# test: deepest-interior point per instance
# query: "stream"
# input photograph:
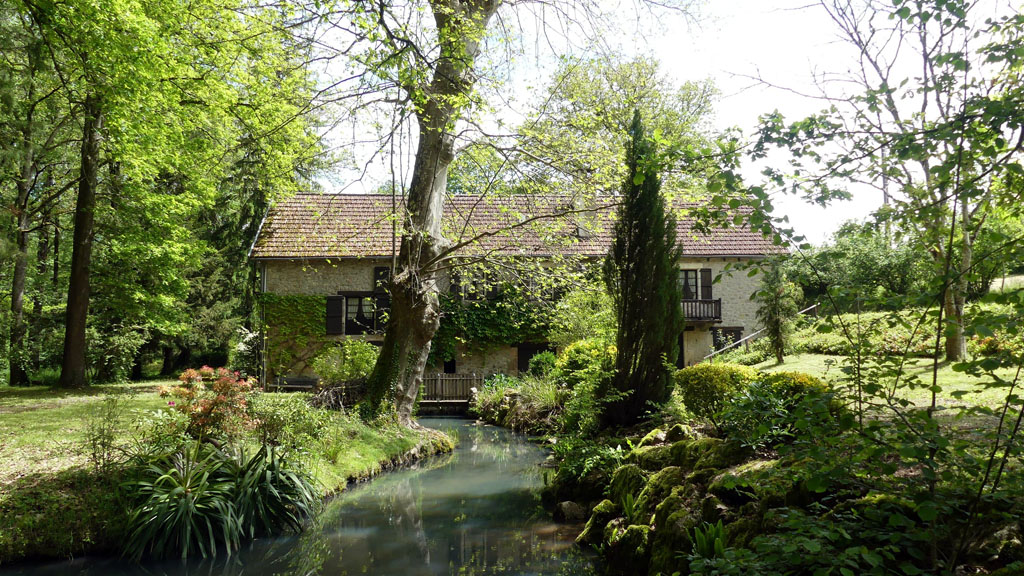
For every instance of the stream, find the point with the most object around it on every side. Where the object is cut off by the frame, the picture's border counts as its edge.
(474, 512)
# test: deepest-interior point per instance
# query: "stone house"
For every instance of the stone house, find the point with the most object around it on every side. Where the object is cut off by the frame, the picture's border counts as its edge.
(324, 261)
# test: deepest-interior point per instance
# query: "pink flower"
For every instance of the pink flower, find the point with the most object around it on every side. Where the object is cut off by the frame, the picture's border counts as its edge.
(171, 403)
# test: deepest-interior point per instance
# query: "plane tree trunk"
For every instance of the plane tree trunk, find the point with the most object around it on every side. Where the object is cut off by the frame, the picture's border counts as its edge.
(415, 315)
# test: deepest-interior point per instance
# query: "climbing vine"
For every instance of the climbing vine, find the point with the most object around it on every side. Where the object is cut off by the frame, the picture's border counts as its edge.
(508, 319)
(295, 329)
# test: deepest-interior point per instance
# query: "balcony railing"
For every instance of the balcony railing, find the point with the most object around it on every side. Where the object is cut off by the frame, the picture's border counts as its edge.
(702, 310)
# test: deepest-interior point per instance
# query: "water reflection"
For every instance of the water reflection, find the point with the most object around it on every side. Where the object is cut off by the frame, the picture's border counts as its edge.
(473, 512)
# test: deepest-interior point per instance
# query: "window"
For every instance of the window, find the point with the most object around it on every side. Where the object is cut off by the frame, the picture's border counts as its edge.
(696, 284)
(688, 280)
(361, 313)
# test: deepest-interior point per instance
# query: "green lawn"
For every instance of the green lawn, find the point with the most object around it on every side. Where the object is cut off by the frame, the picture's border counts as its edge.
(830, 368)
(54, 504)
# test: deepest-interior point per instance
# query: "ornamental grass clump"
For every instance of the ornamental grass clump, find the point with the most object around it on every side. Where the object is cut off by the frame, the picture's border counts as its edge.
(202, 499)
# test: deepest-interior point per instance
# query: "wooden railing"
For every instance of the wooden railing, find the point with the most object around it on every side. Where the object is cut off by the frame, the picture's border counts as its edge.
(443, 388)
(707, 310)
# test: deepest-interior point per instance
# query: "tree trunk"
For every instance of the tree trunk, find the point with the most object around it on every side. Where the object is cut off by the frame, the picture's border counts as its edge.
(18, 375)
(415, 316)
(16, 357)
(72, 372)
(36, 330)
(167, 368)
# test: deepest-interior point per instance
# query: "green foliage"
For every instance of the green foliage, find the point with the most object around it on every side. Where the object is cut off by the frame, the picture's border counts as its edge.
(750, 354)
(641, 273)
(709, 540)
(200, 499)
(102, 433)
(580, 457)
(584, 368)
(295, 327)
(526, 404)
(584, 313)
(778, 303)
(286, 420)
(542, 364)
(508, 319)
(706, 388)
(350, 360)
(775, 407)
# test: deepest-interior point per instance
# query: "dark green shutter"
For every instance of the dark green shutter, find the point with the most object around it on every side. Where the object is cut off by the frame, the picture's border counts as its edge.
(705, 284)
(335, 314)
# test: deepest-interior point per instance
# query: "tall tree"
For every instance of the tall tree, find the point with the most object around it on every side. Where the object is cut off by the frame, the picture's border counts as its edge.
(641, 272)
(778, 303)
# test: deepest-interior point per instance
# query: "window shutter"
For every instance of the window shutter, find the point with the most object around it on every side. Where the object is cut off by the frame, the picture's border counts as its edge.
(705, 284)
(335, 315)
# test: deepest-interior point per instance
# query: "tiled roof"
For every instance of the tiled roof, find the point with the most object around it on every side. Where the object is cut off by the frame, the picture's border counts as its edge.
(317, 226)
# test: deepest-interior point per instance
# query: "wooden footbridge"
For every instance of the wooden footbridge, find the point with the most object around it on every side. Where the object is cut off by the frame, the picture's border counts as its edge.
(448, 393)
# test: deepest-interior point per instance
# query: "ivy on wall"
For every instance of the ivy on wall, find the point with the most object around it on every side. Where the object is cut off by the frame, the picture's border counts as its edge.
(295, 330)
(507, 320)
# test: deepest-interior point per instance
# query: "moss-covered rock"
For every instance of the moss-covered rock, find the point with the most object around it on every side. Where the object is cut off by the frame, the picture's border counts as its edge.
(564, 486)
(677, 433)
(740, 532)
(760, 480)
(653, 438)
(652, 458)
(658, 488)
(627, 479)
(629, 551)
(671, 538)
(603, 513)
(705, 453)
(685, 497)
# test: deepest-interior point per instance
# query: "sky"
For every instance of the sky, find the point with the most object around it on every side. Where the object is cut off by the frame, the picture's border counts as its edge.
(782, 42)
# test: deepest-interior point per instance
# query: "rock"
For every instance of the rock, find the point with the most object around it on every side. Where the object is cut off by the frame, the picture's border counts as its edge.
(761, 480)
(677, 433)
(712, 510)
(613, 529)
(629, 552)
(627, 479)
(705, 453)
(683, 497)
(565, 486)
(658, 488)
(653, 458)
(673, 537)
(603, 513)
(656, 436)
(742, 530)
(570, 512)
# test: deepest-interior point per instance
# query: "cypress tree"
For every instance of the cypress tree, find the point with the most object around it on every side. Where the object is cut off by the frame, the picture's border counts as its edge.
(641, 273)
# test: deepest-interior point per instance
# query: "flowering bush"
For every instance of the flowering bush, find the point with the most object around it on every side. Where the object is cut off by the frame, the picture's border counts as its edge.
(213, 400)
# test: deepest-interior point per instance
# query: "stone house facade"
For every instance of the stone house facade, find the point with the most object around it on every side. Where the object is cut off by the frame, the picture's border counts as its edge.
(330, 257)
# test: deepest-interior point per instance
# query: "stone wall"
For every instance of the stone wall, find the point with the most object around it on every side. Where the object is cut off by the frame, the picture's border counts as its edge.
(287, 277)
(734, 288)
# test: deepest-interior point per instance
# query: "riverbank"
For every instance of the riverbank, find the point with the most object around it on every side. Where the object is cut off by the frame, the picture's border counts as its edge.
(60, 476)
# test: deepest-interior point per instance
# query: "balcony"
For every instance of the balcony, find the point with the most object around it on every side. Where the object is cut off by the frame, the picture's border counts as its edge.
(703, 310)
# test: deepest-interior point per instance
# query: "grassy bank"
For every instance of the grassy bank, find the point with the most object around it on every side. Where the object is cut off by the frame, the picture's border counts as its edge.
(55, 503)
(970, 389)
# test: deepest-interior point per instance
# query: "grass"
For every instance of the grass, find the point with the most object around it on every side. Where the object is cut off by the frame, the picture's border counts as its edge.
(55, 504)
(830, 368)
(1008, 283)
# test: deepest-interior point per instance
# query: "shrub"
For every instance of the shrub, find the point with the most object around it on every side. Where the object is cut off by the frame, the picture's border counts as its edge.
(350, 360)
(759, 351)
(770, 410)
(200, 498)
(214, 400)
(184, 506)
(541, 364)
(707, 387)
(582, 369)
(286, 419)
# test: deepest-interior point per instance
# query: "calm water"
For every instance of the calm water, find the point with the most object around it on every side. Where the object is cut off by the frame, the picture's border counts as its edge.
(474, 512)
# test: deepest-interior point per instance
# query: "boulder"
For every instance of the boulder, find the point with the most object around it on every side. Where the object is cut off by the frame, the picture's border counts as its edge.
(677, 433)
(760, 480)
(627, 479)
(569, 512)
(671, 538)
(603, 513)
(652, 458)
(658, 488)
(629, 552)
(705, 453)
(654, 437)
